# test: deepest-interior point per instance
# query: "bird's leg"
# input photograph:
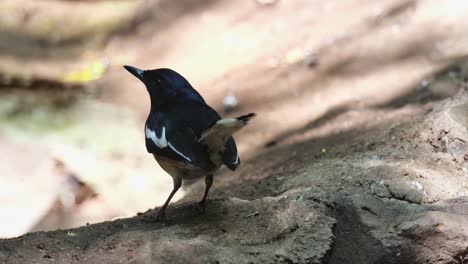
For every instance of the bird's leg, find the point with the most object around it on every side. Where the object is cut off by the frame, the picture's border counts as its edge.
(208, 182)
(161, 213)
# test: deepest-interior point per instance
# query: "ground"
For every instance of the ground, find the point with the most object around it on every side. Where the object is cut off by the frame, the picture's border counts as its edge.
(358, 153)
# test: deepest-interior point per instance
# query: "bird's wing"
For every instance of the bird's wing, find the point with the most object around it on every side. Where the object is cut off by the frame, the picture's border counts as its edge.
(180, 145)
(179, 135)
(218, 138)
(174, 134)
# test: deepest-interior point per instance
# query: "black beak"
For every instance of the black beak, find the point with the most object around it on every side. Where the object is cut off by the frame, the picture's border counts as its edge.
(135, 71)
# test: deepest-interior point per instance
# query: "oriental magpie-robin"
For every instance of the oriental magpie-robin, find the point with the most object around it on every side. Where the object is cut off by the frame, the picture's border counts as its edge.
(186, 136)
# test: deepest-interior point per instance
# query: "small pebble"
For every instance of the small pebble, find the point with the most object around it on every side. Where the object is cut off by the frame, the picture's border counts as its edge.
(424, 83)
(230, 102)
(416, 185)
(71, 234)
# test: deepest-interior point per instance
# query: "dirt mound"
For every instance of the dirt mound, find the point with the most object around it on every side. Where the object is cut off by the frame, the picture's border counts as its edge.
(358, 154)
(375, 202)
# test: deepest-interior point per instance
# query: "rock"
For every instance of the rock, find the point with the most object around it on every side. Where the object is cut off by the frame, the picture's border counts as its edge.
(452, 124)
(380, 190)
(441, 232)
(364, 231)
(460, 114)
(230, 102)
(409, 194)
(394, 231)
(311, 60)
(417, 185)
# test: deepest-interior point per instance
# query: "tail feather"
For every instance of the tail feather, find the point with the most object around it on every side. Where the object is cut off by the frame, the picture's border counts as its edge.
(215, 136)
(246, 118)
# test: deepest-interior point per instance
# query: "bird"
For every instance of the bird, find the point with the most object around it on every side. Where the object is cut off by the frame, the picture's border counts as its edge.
(186, 136)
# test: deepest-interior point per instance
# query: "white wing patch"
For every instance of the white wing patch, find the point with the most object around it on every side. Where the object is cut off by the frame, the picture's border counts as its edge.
(237, 159)
(178, 152)
(162, 142)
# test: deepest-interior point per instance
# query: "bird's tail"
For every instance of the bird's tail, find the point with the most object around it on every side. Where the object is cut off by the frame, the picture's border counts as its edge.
(215, 136)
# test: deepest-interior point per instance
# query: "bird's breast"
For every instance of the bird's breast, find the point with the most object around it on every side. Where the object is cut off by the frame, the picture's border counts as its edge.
(181, 169)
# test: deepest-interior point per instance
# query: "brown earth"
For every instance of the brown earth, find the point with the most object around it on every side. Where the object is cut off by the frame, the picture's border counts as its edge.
(359, 153)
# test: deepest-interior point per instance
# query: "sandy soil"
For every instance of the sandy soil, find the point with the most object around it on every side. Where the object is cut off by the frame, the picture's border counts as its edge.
(357, 108)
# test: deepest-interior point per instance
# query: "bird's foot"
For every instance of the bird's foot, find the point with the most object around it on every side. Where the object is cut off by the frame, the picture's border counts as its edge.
(154, 217)
(201, 207)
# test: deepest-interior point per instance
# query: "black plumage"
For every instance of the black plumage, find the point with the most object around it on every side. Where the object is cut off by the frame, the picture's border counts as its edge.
(187, 137)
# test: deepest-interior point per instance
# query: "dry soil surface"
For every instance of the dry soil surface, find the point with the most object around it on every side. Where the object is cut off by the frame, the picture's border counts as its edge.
(359, 153)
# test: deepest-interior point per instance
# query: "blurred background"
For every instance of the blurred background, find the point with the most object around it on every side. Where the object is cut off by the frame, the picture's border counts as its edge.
(71, 118)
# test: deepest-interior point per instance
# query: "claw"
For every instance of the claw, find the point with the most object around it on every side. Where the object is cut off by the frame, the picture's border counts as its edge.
(201, 207)
(161, 217)
(154, 218)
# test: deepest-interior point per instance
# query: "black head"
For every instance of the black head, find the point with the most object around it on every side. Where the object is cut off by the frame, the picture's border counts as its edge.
(165, 85)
